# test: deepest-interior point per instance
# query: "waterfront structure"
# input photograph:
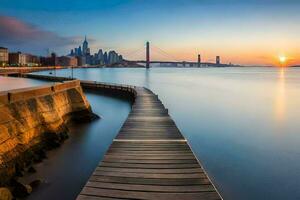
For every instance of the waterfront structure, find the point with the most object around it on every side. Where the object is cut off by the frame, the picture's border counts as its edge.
(85, 47)
(105, 60)
(32, 60)
(43, 111)
(50, 61)
(218, 60)
(147, 54)
(67, 61)
(81, 60)
(17, 59)
(199, 60)
(3, 56)
(100, 58)
(149, 158)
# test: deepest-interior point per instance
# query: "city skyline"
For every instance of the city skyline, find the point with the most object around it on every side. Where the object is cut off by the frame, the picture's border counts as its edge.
(248, 33)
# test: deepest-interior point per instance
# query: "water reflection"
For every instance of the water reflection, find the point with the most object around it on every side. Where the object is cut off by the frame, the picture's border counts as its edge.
(280, 97)
(232, 117)
(147, 77)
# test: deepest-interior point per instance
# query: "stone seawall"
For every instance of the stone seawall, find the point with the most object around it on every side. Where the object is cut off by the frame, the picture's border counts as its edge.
(20, 70)
(33, 120)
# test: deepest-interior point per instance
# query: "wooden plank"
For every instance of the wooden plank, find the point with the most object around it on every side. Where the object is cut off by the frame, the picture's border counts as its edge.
(151, 171)
(148, 195)
(149, 166)
(149, 181)
(155, 188)
(149, 159)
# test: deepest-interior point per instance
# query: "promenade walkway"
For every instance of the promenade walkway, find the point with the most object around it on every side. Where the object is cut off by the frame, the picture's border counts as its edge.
(149, 159)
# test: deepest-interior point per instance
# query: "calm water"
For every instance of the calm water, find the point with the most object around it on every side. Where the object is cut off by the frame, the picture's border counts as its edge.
(242, 123)
(67, 168)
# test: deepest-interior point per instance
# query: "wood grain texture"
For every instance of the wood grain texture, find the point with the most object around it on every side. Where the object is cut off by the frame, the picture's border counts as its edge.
(149, 159)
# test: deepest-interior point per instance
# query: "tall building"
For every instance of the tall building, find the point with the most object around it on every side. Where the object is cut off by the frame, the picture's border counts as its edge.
(17, 59)
(49, 61)
(101, 58)
(32, 60)
(79, 51)
(105, 58)
(85, 47)
(3, 56)
(67, 61)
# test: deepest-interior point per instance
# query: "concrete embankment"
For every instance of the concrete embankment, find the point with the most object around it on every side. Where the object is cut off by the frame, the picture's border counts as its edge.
(149, 158)
(116, 89)
(6, 71)
(33, 120)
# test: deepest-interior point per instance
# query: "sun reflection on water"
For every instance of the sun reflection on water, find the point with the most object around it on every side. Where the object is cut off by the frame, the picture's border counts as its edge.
(280, 97)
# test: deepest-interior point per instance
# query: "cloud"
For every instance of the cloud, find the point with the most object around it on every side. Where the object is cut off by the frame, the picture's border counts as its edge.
(18, 35)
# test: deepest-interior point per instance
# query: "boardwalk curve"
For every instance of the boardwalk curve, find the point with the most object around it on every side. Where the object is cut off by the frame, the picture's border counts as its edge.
(149, 159)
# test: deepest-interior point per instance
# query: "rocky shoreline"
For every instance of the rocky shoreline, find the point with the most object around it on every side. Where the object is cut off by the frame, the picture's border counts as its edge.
(33, 121)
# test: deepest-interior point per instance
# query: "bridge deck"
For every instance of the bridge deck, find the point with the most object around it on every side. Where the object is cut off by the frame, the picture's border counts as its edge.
(149, 159)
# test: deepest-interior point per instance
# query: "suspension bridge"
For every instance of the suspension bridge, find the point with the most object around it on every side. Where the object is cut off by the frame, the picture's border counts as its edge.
(168, 59)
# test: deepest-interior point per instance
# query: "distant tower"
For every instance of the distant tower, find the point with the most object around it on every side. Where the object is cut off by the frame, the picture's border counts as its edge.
(199, 60)
(147, 55)
(79, 51)
(48, 52)
(218, 60)
(85, 46)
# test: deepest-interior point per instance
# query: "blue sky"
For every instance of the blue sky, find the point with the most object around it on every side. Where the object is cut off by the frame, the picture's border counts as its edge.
(246, 32)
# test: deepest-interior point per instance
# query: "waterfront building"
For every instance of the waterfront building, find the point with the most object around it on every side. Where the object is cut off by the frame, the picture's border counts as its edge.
(17, 59)
(49, 61)
(79, 51)
(81, 60)
(100, 58)
(85, 47)
(105, 58)
(76, 51)
(3, 56)
(67, 61)
(120, 58)
(32, 60)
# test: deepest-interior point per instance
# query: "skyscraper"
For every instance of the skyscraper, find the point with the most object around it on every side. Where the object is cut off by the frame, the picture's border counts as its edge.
(85, 47)
(84, 55)
(105, 58)
(79, 51)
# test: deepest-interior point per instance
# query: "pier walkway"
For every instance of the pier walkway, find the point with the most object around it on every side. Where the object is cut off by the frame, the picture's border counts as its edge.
(149, 159)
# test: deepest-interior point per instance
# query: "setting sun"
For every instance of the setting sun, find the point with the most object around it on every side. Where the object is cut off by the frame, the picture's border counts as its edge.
(282, 59)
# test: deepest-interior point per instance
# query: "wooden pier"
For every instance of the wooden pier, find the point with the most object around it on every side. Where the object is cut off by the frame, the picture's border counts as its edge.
(149, 159)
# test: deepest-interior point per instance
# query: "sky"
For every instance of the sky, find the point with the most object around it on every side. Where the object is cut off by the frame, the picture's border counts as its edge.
(254, 32)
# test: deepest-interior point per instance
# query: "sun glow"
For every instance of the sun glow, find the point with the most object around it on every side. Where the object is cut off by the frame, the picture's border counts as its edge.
(282, 59)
